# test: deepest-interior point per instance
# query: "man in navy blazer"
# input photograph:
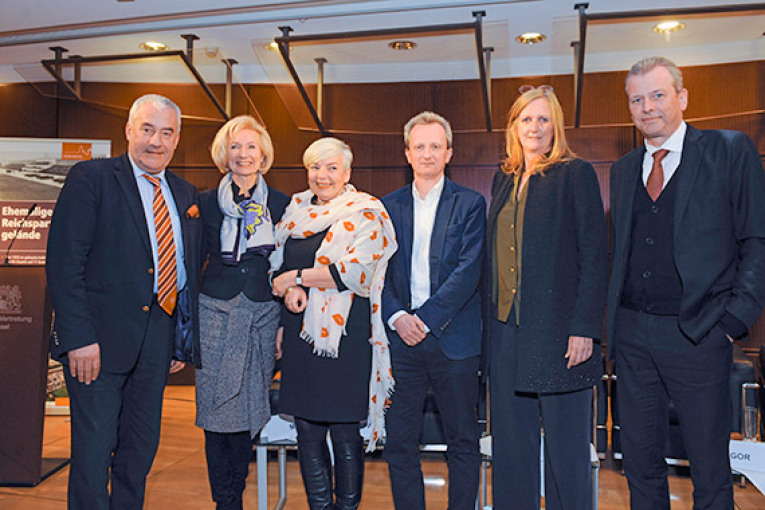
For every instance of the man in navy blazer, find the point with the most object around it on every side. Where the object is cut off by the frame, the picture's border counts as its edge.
(432, 307)
(687, 279)
(110, 331)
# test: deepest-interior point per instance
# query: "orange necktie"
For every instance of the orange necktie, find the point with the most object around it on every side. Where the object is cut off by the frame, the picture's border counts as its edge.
(167, 285)
(655, 181)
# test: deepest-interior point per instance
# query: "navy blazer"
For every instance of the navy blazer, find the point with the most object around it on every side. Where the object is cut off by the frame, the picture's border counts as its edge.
(99, 262)
(719, 229)
(453, 312)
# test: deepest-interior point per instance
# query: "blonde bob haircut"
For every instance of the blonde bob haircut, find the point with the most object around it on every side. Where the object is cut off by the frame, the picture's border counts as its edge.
(559, 151)
(327, 147)
(219, 149)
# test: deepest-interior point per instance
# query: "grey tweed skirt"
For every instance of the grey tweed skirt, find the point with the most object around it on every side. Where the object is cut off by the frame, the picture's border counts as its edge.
(238, 348)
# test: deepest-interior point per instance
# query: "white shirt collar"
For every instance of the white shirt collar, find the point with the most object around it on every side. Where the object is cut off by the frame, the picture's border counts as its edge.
(433, 194)
(673, 144)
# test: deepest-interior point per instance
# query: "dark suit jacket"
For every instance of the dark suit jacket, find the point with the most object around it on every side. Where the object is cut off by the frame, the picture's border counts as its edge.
(719, 229)
(564, 274)
(453, 312)
(219, 280)
(99, 262)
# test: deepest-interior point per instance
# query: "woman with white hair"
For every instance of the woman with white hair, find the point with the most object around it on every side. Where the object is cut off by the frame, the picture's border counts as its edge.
(238, 314)
(332, 248)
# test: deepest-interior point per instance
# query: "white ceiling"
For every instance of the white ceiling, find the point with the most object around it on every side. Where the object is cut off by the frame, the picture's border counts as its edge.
(239, 28)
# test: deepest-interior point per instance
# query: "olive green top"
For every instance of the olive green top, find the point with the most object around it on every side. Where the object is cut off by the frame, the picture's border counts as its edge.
(509, 248)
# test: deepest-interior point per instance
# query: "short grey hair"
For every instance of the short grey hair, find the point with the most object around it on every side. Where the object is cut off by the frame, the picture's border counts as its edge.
(650, 63)
(327, 147)
(159, 102)
(428, 117)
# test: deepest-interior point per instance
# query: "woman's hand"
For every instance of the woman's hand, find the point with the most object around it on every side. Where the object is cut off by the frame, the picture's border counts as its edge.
(284, 281)
(295, 299)
(579, 350)
(279, 336)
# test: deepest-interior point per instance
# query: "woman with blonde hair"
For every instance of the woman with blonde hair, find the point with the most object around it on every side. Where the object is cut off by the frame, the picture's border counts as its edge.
(332, 248)
(238, 315)
(544, 303)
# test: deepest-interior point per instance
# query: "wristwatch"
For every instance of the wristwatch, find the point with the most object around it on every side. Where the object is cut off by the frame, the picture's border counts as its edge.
(299, 277)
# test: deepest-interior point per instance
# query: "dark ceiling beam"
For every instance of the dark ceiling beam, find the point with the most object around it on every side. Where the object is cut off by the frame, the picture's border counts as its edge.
(55, 67)
(286, 40)
(608, 17)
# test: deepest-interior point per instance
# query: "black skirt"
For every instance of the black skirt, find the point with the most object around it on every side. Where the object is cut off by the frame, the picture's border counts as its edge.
(316, 387)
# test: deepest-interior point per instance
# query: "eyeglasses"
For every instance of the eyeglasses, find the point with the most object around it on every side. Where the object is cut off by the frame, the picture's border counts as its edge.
(544, 88)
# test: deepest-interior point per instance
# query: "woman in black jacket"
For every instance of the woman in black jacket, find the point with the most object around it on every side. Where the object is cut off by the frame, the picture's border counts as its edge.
(545, 298)
(238, 315)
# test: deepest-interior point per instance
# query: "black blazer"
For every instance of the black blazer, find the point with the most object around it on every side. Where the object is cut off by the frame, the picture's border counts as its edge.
(222, 281)
(719, 229)
(564, 275)
(99, 262)
(453, 312)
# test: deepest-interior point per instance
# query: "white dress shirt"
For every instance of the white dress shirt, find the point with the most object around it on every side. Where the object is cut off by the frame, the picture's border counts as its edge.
(424, 218)
(671, 161)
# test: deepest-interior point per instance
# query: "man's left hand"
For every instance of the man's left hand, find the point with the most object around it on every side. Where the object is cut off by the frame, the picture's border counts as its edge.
(176, 366)
(579, 350)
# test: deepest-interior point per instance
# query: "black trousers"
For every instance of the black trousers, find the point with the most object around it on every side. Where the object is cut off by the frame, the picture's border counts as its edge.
(115, 424)
(516, 423)
(656, 362)
(455, 386)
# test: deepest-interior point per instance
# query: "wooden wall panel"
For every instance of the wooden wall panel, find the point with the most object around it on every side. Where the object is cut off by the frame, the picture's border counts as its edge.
(24, 112)
(370, 118)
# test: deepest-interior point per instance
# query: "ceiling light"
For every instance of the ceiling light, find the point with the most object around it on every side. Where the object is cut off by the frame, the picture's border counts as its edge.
(153, 46)
(531, 38)
(402, 45)
(272, 46)
(666, 27)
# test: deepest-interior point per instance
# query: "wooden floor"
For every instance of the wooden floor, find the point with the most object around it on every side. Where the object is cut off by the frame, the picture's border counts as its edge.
(179, 479)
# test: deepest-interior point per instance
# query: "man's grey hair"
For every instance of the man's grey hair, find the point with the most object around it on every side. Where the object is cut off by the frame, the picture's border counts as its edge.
(159, 102)
(428, 118)
(650, 63)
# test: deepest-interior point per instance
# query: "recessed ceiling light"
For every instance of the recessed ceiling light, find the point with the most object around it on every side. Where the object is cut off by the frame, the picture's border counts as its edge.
(272, 46)
(531, 38)
(403, 45)
(666, 27)
(153, 46)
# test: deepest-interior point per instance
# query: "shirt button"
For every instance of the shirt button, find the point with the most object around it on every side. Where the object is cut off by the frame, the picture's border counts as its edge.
(245, 270)
(655, 209)
(150, 270)
(512, 248)
(512, 269)
(145, 308)
(513, 291)
(512, 225)
(646, 274)
(649, 241)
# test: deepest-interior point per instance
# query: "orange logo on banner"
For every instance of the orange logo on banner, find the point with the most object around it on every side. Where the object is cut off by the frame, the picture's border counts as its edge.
(76, 151)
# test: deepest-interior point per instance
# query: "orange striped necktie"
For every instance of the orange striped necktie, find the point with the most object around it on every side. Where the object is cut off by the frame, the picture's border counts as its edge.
(167, 278)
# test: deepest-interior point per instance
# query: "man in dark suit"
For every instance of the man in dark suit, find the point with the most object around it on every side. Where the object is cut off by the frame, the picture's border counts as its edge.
(432, 308)
(687, 279)
(122, 251)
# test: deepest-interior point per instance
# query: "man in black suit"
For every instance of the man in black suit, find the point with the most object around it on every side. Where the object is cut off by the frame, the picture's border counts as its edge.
(115, 274)
(687, 279)
(432, 308)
